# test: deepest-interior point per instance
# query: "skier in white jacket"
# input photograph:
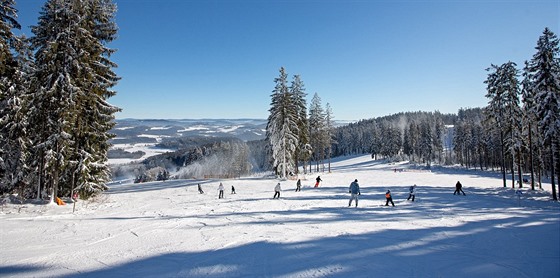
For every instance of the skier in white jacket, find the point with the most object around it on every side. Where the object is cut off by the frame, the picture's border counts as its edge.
(221, 189)
(277, 190)
(354, 190)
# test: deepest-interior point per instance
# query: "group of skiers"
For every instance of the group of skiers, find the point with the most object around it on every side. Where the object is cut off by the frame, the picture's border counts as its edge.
(354, 191)
(220, 190)
(278, 188)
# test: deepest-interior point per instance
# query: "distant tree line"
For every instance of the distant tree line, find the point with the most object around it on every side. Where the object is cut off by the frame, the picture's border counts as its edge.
(54, 86)
(120, 153)
(197, 157)
(414, 136)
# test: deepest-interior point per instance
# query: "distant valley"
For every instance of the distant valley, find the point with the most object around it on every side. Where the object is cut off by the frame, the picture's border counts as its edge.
(149, 130)
(137, 139)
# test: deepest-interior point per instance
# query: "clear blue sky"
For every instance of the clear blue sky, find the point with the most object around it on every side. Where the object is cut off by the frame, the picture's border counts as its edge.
(218, 58)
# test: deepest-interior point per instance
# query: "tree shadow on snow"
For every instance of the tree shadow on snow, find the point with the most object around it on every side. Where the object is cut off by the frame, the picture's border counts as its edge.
(363, 165)
(484, 248)
(19, 270)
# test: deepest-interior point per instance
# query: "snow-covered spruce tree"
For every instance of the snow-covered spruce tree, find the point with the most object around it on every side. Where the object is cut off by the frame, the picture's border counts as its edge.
(303, 152)
(513, 115)
(95, 117)
(43, 102)
(55, 53)
(10, 153)
(544, 69)
(14, 123)
(74, 75)
(317, 127)
(282, 127)
(501, 86)
(530, 125)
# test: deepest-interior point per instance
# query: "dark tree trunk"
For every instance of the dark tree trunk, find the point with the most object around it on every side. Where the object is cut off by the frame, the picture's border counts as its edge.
(503, 159)
(552, 162)
(519, 170)
(531, 165)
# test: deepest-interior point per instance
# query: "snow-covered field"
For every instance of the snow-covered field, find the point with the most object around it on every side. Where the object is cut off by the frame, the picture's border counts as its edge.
(168, 229)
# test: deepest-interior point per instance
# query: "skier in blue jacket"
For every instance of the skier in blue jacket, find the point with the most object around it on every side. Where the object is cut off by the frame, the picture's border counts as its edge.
(354, 190)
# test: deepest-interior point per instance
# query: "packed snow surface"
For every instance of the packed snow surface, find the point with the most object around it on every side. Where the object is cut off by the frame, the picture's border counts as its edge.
(168, 229)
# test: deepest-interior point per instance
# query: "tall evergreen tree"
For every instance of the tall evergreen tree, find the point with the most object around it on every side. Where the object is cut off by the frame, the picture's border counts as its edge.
(544, 69)
(95, 116)
(282, 127)
(12, 146)
(71, 114)
(513, 117)
(14, 123)
(502, 86)
(303, 152)
(55, 45)
(530, 123)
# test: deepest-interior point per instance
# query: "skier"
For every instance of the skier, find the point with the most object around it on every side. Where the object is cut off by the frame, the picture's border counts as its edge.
(389, 198)
(232, 190)
(412, 192)
(298, 185)
(459, 189)
(221, 189)
(277, 190)
(354, 190)
(318, 179)
(200, 189)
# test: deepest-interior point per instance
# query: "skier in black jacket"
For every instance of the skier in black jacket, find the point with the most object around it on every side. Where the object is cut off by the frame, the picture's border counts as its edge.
(459, 189)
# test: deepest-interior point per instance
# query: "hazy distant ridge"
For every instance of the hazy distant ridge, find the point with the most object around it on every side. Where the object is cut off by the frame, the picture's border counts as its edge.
(152, 130)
